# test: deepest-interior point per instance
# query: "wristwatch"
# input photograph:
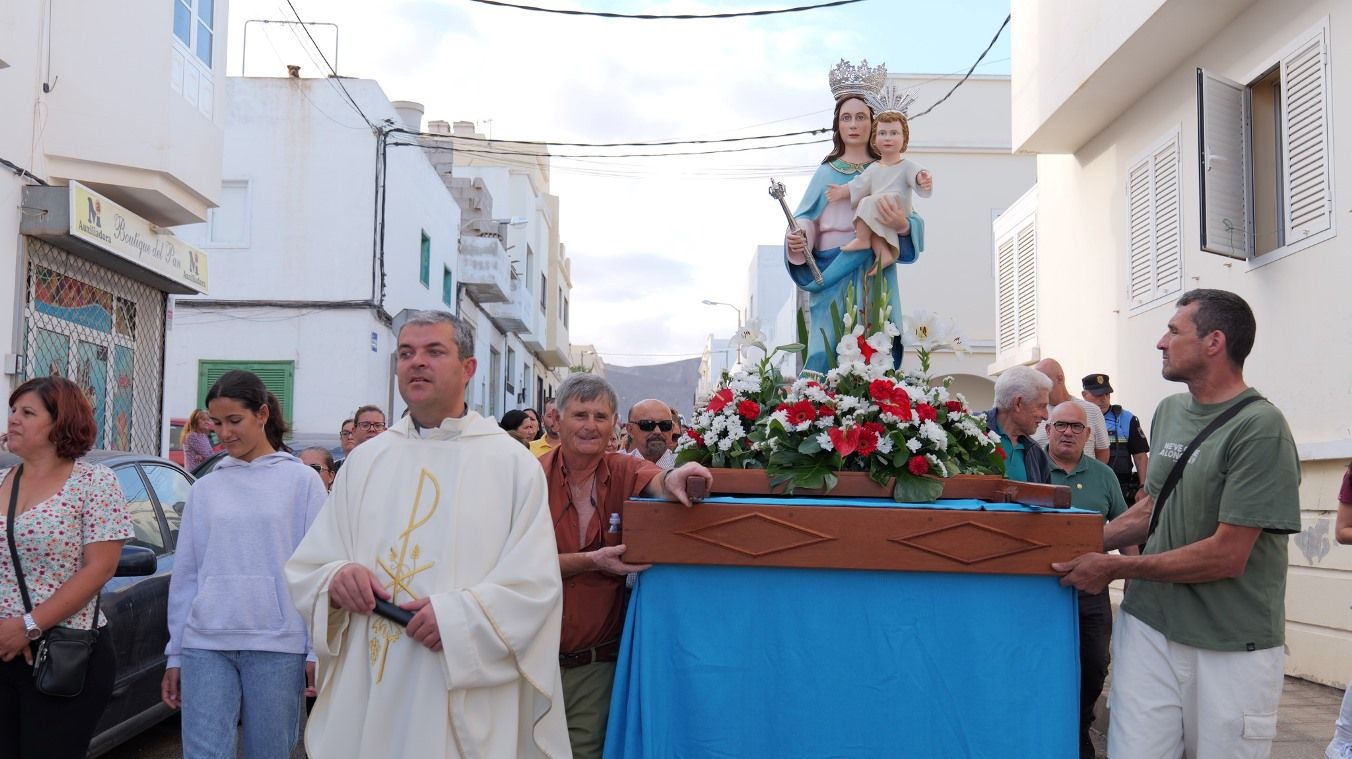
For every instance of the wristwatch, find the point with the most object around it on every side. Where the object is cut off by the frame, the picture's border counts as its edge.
(31, 629)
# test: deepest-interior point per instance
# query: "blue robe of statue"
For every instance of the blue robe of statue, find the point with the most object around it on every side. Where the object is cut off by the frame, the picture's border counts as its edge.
(840, 269)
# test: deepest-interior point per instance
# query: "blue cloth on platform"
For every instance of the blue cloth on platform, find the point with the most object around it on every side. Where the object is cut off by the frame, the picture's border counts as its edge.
(750, 662)
(841, 269)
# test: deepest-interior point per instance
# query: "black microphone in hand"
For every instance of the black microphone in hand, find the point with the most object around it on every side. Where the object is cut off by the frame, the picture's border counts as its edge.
(393, 613)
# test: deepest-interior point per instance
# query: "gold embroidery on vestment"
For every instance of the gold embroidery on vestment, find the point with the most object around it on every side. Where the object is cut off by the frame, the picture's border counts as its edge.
(401, 565)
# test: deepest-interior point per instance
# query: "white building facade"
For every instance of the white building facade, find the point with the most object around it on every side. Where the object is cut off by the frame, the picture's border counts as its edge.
(105, 145)
(1183, 145)
(518, 294)
(317, 252)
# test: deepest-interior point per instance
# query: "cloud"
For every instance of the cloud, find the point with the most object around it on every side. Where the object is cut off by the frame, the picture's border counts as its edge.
(648, 238)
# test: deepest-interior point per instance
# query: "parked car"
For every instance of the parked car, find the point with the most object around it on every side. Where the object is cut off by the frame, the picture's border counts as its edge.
(136, 600)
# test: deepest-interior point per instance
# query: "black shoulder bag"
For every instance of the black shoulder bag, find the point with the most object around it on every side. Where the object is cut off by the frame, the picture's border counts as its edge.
(63, 654)
(1176, 473)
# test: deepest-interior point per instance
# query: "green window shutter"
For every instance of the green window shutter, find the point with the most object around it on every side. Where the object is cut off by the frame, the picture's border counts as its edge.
(278, 376)
(447, 287)
(425, 260)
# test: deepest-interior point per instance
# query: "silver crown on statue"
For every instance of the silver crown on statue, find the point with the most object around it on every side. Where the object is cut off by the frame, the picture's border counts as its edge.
(893, 101)
(862, 81)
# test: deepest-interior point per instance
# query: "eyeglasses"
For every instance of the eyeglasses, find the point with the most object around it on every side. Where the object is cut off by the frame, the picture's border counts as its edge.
(647, 425)
(318, 469)
(1075, 427)
(370, 426)
(345, 433)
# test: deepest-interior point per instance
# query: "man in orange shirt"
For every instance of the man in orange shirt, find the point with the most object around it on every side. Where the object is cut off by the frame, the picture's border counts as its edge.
(587, 488)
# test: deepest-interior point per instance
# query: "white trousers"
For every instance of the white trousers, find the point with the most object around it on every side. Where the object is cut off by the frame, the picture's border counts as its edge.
(1169, 700)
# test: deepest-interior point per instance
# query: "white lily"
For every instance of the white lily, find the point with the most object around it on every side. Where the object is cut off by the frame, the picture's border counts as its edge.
(749, 335)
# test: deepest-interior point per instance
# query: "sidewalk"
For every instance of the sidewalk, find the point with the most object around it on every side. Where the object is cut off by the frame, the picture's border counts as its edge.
(1304, 720)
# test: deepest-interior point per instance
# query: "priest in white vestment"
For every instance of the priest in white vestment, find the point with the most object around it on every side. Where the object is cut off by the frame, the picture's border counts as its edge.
(447, 516)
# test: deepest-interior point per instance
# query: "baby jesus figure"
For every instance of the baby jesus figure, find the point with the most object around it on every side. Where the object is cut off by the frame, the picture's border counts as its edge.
(891, 175)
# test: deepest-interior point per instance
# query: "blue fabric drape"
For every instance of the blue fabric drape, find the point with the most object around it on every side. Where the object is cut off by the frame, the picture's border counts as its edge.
(741, 663)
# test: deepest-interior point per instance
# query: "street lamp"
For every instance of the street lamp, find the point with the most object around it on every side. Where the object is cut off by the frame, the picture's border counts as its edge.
(729, 305)
(726, 351)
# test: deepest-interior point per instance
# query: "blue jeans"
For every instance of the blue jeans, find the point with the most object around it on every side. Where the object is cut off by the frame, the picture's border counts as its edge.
(218, 687)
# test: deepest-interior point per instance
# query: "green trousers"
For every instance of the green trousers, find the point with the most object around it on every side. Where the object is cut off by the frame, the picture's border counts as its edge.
(586, 702)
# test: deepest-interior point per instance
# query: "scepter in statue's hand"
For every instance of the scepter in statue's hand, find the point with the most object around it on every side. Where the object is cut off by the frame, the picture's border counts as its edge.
(777, 192)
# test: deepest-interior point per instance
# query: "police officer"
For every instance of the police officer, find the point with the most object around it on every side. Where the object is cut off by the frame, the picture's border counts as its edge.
(1128, 449)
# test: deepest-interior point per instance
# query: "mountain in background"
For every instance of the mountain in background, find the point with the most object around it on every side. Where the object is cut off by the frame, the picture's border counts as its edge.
(673, 382)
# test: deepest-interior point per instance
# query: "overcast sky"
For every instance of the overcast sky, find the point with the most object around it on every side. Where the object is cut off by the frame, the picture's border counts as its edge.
(648, 238)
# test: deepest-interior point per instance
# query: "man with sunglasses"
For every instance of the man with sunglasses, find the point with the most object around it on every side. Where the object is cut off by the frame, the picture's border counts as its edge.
(1093, 486)
(320, 459)
(650, 427)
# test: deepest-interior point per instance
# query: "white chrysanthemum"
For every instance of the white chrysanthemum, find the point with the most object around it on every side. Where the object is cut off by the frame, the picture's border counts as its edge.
(780, 416)
(825, 422)
(735, 429)
(936, 464)
(940, 394)
(935, 434)
(824, 440)
(913, 444)
(718, 424)
(993, 436)
(725, 444)
(884, 445)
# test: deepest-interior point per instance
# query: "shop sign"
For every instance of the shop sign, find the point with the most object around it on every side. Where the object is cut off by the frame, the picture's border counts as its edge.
(99, 221)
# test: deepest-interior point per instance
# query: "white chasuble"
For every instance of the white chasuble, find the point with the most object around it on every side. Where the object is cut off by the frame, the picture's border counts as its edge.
(458, 514)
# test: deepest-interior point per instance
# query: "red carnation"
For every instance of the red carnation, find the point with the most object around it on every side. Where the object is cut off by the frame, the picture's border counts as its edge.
(800, 412)
(698, 438)
(748, 409)
(919, 465)
(953, 406)
(926, 412)
(720, 400)
(880, 390)
(826, 411)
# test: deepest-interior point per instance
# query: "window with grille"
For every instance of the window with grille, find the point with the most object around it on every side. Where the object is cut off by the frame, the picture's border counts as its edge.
(1265, 156)
(104, 332)
(1154, 225)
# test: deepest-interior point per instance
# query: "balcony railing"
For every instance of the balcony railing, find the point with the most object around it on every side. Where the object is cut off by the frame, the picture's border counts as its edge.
(485, 271)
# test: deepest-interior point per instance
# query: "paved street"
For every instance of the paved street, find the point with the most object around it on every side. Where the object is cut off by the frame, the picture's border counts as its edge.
(1304, 727)
(1304, 720)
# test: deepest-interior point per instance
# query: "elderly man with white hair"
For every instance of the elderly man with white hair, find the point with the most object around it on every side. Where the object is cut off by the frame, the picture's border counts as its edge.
(1020, 408)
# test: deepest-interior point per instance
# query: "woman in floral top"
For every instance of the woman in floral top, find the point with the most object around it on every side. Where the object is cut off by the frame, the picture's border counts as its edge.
(69, 524)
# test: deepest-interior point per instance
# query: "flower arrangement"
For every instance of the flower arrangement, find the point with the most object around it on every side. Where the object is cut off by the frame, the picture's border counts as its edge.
(863, 415)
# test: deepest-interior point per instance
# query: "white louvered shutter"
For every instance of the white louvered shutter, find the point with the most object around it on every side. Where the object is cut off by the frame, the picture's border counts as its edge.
(1305, 140)
(1026, 244)
(1168, 220)
(1140, 235)
(1006, 296)
(1222, 121)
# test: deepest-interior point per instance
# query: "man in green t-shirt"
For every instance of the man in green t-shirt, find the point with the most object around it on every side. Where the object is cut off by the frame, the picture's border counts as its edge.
(1094, 487)
(1198, 646)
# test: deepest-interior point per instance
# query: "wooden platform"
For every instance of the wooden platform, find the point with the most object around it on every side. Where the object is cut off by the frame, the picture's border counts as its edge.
(908, 538)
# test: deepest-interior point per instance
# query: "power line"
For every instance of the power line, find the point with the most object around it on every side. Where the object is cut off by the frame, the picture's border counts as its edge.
(22, 172)
(472, 151)
(672, 17)
(333, 71)
(969, 71)
(643, 144)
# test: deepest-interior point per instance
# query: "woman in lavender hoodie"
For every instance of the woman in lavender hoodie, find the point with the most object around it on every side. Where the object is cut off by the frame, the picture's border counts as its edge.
(237, 647)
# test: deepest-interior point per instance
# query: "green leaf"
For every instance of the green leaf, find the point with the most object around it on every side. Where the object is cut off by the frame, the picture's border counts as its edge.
(789, 348)
(809, 446)
(837, 323)
(830, 350)
(802, 333)
(912, 489)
